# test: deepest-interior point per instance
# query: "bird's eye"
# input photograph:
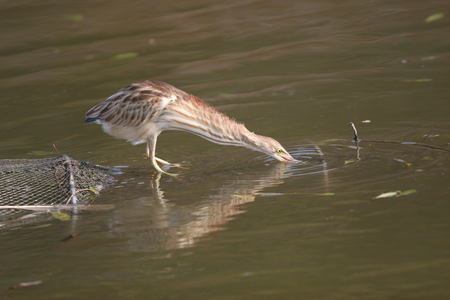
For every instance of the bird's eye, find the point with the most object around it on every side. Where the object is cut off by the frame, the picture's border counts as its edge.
(280, 151)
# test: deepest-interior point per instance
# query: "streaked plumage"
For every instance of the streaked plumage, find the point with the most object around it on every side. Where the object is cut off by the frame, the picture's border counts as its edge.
(141, 111)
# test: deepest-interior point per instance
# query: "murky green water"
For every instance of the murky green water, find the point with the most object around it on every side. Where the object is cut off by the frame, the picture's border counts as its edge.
(235, 225)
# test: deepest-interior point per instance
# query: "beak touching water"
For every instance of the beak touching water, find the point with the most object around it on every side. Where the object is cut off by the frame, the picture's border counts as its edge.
(286, 157)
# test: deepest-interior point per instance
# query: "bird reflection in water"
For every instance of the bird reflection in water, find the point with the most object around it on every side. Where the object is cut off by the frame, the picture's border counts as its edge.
(158, 223)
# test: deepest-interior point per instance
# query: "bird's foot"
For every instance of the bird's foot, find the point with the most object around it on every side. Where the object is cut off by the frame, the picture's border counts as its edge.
(180, 165)
(170, 165)
(165, 164)
(158, 168)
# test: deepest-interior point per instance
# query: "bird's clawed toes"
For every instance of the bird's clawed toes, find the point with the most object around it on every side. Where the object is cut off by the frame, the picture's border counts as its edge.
(170, 174)
(166, 165)
(182, 165)
(171, 165)
(158, 168)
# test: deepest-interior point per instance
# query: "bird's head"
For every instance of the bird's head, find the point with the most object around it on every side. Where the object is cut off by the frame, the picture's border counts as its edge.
(272, 148)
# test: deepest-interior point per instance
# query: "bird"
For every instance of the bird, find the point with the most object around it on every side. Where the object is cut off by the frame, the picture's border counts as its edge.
(141, 111)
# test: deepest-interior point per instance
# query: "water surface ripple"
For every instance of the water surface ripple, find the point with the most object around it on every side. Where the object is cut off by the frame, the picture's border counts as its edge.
(236, 224)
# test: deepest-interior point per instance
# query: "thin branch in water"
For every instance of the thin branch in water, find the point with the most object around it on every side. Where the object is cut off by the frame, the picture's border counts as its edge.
(356, 139)
(355, 133)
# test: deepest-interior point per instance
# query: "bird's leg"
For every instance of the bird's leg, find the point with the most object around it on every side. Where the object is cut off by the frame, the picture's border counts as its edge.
(148, 149)
(151, 149)
(161, 161)
(157, 192)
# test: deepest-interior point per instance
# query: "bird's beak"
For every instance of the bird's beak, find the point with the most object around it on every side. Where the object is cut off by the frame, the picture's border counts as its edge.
(287, 158)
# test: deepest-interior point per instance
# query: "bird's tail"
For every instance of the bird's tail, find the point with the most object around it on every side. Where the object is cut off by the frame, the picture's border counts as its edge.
(92, 120)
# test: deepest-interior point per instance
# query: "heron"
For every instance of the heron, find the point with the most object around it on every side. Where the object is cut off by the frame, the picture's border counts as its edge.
(140, 112)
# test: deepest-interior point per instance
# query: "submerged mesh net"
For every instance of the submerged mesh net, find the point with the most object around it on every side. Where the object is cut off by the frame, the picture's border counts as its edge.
(59, 180)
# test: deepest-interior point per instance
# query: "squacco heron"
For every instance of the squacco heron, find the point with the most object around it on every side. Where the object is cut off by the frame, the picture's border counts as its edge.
(139, 113)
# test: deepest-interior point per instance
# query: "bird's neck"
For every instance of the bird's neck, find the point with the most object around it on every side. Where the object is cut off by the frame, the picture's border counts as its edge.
(195, 116)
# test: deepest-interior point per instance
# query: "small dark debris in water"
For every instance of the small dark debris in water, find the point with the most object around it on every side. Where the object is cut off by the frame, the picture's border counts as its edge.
(70, 237)
(26, 284)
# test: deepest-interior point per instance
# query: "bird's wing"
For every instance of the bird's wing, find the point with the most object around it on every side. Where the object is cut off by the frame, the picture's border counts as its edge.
(131, 106)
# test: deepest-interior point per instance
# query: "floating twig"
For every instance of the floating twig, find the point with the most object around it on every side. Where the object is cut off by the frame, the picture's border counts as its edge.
(69, 237)
(355, 133)
(356, 139)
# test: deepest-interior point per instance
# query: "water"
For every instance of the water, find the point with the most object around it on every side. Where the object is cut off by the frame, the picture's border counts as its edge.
(235, 225)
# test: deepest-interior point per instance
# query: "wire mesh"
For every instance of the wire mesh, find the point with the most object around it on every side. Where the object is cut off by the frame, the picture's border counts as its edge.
(50, 181)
